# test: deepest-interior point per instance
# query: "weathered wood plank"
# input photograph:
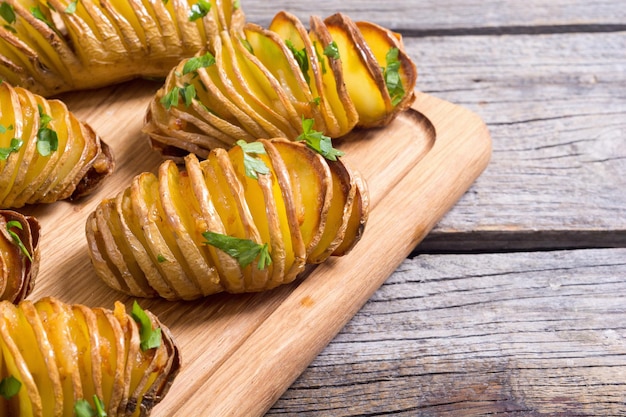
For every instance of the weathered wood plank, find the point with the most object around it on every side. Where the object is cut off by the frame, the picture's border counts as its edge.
(457, 15)
(556, 110)
(448, 335)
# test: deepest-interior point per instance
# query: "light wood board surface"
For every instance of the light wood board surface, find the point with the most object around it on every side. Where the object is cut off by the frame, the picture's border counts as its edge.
(246, 350)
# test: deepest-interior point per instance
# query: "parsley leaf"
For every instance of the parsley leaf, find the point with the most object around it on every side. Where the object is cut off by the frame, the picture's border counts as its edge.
(16, 238)
(252, 165)
(15, 146)
(170, 99)
(71, 8)
(199, 10)
(36, 11)
(9, 387)
(317, 141)
(82, 408)
(392, 76)
(150, 338)
(301, 58)
(47, 139)
(7, 12)
(332, 50)
(243, 250)
(197, 62)
(4, 129)
(188, 93)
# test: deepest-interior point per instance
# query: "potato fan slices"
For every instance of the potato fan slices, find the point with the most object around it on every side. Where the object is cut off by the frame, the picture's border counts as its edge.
(150, 240)
(62, 354)
(19, 255)
(46, 154)
(62, 45)
(250, 83)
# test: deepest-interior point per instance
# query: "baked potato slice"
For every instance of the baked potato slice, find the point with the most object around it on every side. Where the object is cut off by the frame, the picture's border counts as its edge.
(64, 45)
(46, 154)
(263, 210)
(265, 82)
(63, 355)
(344, 193)
(19, 255)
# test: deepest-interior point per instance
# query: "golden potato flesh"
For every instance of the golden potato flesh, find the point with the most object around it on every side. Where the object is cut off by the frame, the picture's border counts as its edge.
(250, 83)
(243, 220)
(57, 358)
(62, 45)
(46, 154)
(19, 255)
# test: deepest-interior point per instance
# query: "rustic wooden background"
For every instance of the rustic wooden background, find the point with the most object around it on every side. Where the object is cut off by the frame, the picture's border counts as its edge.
(514, 304)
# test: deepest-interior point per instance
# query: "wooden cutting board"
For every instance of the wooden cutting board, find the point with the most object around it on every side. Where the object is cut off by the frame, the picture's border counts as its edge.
(240, 353)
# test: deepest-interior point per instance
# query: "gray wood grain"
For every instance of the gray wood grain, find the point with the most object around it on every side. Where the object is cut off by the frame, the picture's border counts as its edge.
(467, 335)
(556, 109)
(456, 16)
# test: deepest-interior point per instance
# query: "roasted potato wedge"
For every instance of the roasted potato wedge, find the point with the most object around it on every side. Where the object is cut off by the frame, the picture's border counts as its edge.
(59, 358)
(63, 45)
(250, 83)
(243, 220)
(19, 255)
(46, 154)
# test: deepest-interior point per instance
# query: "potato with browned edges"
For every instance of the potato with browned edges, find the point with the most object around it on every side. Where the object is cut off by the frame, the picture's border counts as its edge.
(247, 219)
(19, 255)
(251, 83)
(46, 153)
(62, 45)
(70, 360)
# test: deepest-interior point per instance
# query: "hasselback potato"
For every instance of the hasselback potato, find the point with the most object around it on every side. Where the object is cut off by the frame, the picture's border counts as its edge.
(250, 83)
(58, 359)
(19, 255)
(61, 45)
(46, 153)
(242, 220)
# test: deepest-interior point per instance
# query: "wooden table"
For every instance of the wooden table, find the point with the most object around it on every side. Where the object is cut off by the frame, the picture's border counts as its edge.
(514, 304)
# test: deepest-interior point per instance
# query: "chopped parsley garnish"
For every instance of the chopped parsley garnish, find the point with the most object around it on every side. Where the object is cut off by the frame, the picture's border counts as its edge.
(161, 258)
(195, 63)
(392, 76)
(236, 4)
(7, 12)
(71, 8)
(187, 93)
(247, 45)
(253, 165)
(47, 139)
(82, 408)
(16, 238)
(245, 251)
(9, 387)
(36, 11)
(15, 146)
(317, 141)
(199, 10)
(4, 129)
(301, 58)
(331, 50)
(150, 338)
(319, 58)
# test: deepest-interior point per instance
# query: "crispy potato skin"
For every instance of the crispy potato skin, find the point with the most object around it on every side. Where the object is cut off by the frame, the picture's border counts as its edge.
(150, 239)
(17, 269)
(79, 163)
(263, 82)
(74, 46)
(62, 354)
